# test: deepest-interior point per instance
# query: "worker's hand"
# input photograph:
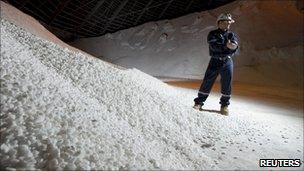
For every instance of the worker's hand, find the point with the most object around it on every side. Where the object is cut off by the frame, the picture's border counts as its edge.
(231, 45)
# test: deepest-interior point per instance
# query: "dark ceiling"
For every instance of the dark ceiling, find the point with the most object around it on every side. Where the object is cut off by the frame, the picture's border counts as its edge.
(90, 18)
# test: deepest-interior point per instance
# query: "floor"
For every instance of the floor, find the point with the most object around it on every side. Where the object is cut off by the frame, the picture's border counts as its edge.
(263, 122)
(278, 96)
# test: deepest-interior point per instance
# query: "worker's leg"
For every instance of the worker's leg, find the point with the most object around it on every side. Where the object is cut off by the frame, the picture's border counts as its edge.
(208, 81)
(226, 73)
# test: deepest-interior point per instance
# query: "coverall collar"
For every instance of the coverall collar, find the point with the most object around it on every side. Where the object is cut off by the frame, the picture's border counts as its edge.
(223, 31)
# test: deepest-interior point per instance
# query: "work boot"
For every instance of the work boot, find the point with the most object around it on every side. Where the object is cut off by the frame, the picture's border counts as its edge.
(198, 107)
(224, 110)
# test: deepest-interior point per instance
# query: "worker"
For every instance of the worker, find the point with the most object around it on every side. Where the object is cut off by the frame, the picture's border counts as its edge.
(223, 44)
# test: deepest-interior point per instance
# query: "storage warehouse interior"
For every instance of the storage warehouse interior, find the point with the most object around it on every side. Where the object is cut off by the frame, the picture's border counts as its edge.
(110, 85)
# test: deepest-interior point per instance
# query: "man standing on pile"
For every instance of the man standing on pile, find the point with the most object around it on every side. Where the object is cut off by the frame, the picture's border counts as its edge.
(222, 46)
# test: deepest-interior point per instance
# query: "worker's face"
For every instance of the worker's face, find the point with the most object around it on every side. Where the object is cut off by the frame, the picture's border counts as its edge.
(224, 25)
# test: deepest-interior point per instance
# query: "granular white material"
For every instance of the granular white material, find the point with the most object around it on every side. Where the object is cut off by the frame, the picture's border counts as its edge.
(63, 110)
(67, 111)
(178, 48)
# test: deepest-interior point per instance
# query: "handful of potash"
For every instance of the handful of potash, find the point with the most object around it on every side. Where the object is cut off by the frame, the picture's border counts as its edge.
(231, 45)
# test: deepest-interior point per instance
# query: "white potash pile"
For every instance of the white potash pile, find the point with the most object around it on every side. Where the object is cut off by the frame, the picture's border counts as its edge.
(64, 110)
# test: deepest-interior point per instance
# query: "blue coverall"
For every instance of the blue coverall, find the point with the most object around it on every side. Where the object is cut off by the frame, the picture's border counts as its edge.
(220, 63)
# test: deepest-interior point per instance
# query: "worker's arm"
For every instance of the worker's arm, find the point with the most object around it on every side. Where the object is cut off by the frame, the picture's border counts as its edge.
(216, 43)
(232, 43)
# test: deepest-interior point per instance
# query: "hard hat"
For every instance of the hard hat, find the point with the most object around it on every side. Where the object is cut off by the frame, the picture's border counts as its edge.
(226, 17)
